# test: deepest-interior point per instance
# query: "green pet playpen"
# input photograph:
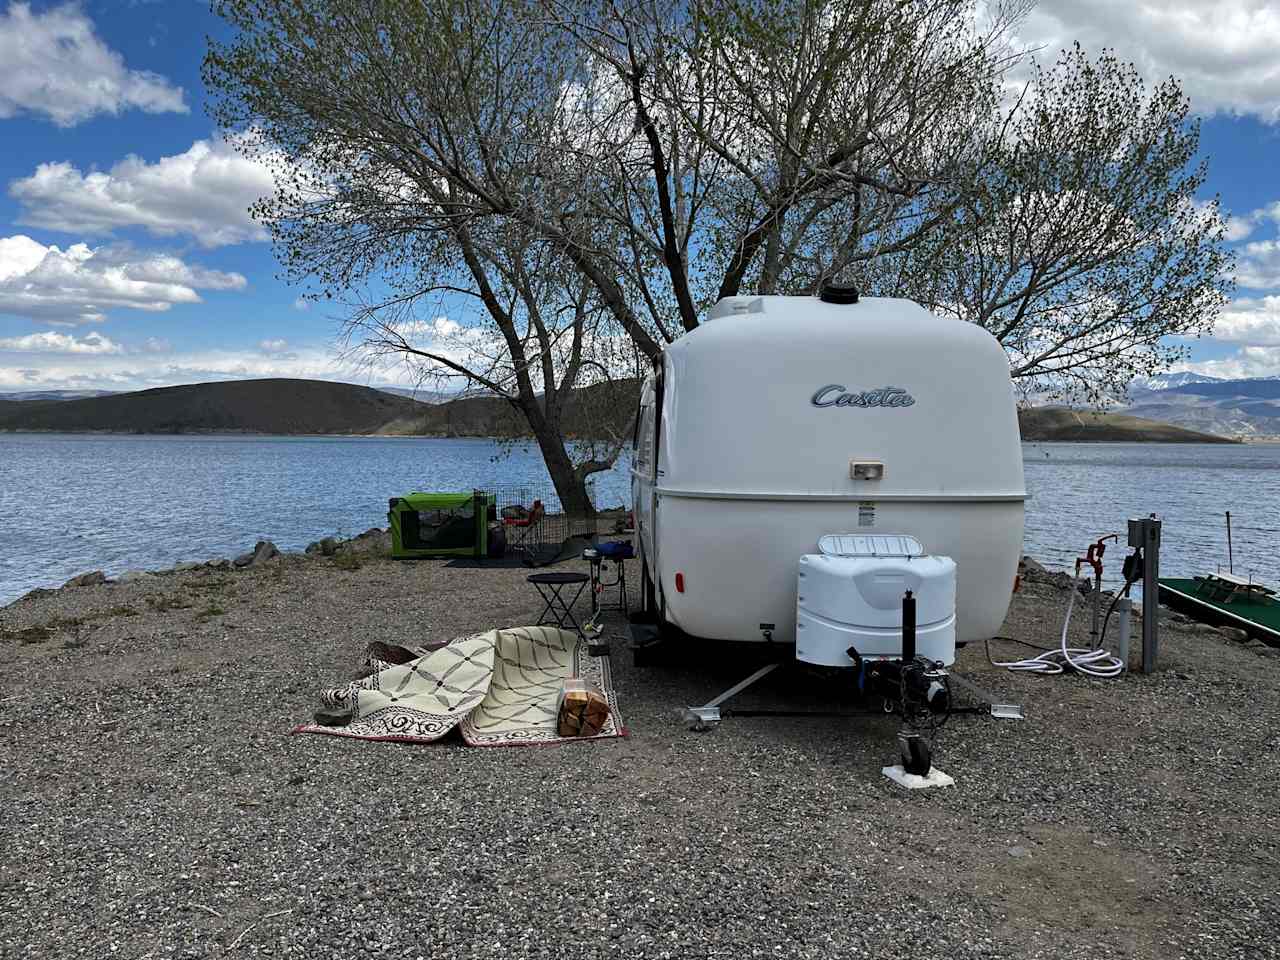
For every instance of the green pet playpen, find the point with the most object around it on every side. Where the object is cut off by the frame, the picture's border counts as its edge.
(523, 520)
(440, 524)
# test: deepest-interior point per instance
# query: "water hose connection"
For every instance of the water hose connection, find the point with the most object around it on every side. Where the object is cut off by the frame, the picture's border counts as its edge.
(1092, 662)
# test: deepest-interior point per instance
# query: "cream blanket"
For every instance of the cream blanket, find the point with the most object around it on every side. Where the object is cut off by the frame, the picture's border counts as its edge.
(500, 687)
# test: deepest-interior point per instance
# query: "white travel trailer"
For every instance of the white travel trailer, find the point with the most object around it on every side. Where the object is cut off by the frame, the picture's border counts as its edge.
(786, 418)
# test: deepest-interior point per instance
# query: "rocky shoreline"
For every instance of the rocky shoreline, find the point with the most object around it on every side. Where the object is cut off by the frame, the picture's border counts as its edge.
(374, 541)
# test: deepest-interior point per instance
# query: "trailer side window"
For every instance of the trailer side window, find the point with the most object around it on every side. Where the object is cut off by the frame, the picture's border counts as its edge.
(644, 440)
(635, 430)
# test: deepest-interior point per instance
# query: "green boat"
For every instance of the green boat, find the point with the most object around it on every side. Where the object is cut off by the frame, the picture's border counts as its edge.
(1225, 600)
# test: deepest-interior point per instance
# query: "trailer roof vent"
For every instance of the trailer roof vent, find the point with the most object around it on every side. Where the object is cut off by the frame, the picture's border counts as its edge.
(736, 306)
(830, 293)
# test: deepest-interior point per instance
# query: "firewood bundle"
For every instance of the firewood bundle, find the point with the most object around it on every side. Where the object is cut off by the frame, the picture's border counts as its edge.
(582, 710)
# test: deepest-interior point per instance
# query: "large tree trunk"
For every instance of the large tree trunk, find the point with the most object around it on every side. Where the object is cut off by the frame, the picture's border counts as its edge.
(570, 484)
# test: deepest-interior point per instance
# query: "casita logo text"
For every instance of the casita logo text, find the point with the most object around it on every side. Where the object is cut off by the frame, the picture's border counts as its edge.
(835, 395)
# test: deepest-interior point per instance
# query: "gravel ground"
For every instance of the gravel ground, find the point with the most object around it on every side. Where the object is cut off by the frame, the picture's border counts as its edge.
(154, 806)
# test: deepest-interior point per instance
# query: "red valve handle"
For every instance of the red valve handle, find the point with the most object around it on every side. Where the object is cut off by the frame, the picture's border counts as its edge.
(1093, 556)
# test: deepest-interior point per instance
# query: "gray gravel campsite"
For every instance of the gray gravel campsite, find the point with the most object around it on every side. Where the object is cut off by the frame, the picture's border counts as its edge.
(156, 805)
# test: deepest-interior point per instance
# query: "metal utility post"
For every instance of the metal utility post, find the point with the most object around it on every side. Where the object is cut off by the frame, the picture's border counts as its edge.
(1122, 630)
(1144, 533)
(1230, 561)
(1094, 633)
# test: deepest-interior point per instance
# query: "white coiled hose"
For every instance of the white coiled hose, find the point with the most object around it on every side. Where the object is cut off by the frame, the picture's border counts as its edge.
(1092, 663)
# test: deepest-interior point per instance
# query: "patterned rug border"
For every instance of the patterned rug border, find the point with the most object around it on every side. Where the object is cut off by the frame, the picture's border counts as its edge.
(359, 729)
(621, 733)
(371, 738)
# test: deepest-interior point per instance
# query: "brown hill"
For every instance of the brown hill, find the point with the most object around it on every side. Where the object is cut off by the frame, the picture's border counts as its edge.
(600, 410)
(240, 406)
(1063, 424)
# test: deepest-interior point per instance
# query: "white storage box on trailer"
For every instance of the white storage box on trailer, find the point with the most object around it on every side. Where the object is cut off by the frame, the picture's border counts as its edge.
(850, 595)
(781, 419)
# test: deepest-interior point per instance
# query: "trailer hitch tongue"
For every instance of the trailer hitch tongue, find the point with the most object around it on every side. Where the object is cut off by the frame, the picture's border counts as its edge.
(707, 715)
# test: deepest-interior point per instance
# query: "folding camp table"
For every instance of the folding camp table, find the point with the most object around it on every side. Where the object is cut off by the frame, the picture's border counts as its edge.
(549, 586)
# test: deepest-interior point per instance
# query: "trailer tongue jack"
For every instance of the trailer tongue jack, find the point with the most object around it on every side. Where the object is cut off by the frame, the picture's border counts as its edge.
(919, 692)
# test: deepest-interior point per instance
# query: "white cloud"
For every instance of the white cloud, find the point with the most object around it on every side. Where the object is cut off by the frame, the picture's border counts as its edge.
(53, 63)
(204, 192)
(1240, 227)
(301, 304)
(81, 283)
(1226, 53)
(50, 341)
(442, 331)
(1253, 322)
(157, 345)
(1246, 362)
(138, 371)
(1259, 265)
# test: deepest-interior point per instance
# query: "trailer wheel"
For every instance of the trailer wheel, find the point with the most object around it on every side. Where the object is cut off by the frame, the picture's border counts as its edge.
(650, 653)
(643, 657)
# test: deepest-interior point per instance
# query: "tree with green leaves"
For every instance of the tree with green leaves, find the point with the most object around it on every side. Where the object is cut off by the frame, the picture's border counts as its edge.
(1080, 244)
(407, 140)
(572, 183)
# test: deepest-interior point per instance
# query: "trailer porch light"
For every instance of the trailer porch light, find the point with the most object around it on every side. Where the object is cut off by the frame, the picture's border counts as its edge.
(679, 581)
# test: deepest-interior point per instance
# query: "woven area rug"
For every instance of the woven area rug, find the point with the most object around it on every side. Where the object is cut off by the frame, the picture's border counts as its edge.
(418, 701)
(529, 665)
(501, 687)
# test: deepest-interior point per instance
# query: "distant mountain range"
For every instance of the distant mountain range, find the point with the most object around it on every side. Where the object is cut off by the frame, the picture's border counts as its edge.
(1168, 380)
(24, 395)
(1247, 408)
(320, 407)
(422, 396)
(231, 406)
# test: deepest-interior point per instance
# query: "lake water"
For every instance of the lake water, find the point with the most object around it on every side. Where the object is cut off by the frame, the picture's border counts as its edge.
(70, 503)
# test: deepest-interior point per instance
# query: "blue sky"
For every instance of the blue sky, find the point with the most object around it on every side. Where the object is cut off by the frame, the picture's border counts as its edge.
(210, 305)
(158, 276)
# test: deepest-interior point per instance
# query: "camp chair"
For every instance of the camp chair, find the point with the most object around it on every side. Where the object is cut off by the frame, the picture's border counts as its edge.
(525, 531)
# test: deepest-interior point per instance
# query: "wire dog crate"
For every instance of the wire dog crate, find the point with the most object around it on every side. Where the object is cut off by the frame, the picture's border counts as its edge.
(534, 524)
